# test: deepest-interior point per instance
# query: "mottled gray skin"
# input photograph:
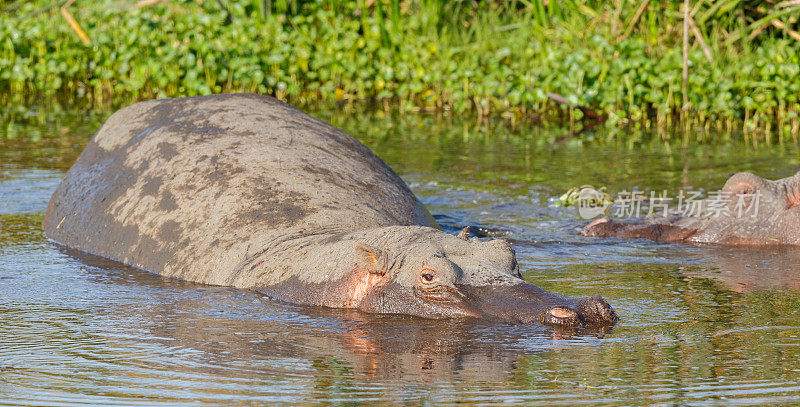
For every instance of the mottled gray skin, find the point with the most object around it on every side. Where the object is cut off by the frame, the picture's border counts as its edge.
(776, 220)
(247, 191)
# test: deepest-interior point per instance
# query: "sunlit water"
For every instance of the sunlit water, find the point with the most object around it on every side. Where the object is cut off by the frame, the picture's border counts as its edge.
(700, 324)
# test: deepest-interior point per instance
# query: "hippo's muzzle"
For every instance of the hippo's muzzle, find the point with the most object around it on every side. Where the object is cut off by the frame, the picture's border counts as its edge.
(527, 303)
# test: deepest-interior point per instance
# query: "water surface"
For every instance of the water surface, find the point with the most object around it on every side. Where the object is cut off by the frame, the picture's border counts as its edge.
(700, 324)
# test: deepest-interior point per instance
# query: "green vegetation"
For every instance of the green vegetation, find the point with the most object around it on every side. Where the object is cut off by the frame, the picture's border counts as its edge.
(621, 59)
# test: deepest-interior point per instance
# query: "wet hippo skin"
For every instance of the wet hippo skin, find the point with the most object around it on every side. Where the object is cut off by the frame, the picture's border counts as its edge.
(244, 190)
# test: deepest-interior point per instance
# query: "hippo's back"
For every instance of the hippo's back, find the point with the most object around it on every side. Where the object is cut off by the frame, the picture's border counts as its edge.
(193, 187)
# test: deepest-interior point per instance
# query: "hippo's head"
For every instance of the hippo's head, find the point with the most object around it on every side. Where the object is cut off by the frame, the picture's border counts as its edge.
(426, 272)
(750, 210)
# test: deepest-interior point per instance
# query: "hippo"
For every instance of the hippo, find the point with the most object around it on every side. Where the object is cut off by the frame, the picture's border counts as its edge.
(748, 211)
(246, 191)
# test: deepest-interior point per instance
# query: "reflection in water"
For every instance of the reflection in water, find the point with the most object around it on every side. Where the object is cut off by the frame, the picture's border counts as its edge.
(374, 346)
(127, 332)
(700, 324)
(751, 269)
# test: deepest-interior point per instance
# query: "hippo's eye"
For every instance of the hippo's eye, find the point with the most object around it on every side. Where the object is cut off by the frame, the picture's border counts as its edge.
(427, 275)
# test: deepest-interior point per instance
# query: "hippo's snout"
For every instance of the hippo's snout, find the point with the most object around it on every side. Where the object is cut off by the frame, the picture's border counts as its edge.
(601, 227)
(527, 303)
(590, 311)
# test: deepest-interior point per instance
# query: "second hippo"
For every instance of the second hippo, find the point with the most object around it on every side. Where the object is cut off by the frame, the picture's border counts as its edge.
(748, 211)
(244, 190)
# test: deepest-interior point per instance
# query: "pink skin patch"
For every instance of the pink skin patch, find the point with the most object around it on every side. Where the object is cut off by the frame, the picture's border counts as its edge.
(595, 223)
(563, 313)
(363, 283)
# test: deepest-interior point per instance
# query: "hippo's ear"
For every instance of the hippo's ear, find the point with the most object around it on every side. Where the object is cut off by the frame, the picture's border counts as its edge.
(372, 259)
(744, 182)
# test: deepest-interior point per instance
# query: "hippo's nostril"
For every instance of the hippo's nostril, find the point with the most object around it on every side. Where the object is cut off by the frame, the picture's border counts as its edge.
(594, 223)
(603, 227)
(597, 310)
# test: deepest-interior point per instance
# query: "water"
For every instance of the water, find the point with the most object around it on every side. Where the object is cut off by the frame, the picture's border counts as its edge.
(700, 324)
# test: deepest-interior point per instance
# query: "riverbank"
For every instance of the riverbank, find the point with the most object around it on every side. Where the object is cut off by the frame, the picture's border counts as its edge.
(623, 64)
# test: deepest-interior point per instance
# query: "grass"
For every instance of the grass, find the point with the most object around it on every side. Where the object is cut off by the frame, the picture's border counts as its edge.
(618, 59)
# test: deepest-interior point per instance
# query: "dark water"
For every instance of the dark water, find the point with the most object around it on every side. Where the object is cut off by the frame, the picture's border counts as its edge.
(700, 325)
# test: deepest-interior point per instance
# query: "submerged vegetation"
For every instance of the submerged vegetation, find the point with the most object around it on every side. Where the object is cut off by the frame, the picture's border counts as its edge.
(621, 62)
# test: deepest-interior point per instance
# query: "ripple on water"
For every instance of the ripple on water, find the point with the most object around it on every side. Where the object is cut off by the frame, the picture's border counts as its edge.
(26, 190)
(700, 325)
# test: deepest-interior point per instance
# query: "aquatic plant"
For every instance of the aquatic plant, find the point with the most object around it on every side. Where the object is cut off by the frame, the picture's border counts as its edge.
(620, 61)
